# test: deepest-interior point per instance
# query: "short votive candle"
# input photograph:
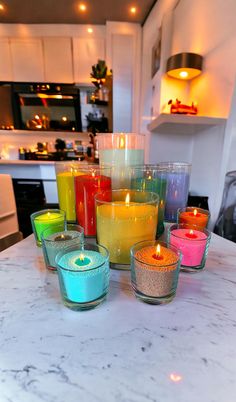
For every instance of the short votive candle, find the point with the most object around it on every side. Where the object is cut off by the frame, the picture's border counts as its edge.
(47, 219)
(193, 242)
(194, 216)
(53, 243)
(154, 271)
(83, 273)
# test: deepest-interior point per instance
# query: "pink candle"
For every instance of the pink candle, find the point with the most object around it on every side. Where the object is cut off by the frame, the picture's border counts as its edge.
(192, 243)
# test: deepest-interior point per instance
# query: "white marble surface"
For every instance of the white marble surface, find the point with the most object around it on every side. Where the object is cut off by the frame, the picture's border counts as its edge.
(124, 350)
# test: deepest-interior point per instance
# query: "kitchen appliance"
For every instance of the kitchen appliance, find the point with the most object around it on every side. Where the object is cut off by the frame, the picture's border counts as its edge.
(43, 106)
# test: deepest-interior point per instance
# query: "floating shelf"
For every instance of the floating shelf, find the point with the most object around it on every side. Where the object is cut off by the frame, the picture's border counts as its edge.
(183, 124)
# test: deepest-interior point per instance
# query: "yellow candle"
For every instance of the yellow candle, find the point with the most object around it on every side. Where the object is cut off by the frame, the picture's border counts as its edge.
(66, 193)
(120, 225)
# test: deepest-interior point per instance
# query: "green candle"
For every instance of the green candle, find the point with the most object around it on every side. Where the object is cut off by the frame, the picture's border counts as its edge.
(53, 219)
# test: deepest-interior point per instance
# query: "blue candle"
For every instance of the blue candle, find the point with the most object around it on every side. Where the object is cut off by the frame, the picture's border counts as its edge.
(83, 275)
(177, 194)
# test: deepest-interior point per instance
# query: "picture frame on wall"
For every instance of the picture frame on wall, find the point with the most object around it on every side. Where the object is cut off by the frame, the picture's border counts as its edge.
(156, 54)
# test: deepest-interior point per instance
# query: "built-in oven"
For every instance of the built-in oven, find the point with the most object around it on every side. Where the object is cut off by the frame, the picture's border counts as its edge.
(46, 106)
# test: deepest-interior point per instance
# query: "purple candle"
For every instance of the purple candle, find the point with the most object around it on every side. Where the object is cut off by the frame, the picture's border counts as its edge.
(178, 177)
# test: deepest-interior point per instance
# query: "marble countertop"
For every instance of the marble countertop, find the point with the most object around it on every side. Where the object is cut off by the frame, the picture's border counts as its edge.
(25, 162)
(124, 350)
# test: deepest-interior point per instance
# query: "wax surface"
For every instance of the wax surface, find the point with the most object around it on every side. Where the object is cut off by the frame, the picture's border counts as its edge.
(86, 187)
(167, 257)
(66, 194)
(52, 220)
(189, 218)
(86, 283)
(155, 185)
(120, 226)
(192, 249)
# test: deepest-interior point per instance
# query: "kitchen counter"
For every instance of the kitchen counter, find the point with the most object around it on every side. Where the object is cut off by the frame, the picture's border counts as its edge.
(24, 162)
(124, 350)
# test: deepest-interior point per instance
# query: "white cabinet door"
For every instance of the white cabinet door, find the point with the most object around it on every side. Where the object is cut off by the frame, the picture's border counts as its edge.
(27, 59)
(5, 60)
(86, 52)
(58, 59)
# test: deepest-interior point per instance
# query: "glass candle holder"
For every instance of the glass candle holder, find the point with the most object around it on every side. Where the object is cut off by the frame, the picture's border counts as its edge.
(53, 243)
(193, 242)
(92, 181)
(154, 271)
(151, 178)
(125, 217)
(193, 216)
(178, 176)
(65, 173)
(52, 219)
(83, 273)
(119, 151)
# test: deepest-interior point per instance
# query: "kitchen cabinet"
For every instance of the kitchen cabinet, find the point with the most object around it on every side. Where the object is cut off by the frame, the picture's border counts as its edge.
(5, 60)
(27, 59)
(58, 59)
(86, 52)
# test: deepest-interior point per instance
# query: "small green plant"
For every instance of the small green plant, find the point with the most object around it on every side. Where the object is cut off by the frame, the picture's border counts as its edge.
(99, 72)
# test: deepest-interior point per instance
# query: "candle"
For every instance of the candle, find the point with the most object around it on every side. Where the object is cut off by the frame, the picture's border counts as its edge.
(154, 271)
(86, 187)
(178, 177)
(149, 178)
(83, 273)
(127, 218)
(53, 219)
(193, 241)
(194, 216)
(121, 150)
(56, 242)
(66, 192)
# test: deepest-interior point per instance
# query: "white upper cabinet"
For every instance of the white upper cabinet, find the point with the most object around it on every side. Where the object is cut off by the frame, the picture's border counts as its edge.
(5, 60)
(86, 52)
(27, 59)
(58, 59)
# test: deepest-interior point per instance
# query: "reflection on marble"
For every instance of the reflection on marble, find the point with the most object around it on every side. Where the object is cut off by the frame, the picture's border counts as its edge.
(124, 350)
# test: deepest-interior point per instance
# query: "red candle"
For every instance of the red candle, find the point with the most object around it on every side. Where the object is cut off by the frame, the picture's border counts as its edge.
(86, 186)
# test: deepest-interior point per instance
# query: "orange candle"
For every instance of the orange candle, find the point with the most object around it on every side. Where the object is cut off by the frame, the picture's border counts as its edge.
(193, 216)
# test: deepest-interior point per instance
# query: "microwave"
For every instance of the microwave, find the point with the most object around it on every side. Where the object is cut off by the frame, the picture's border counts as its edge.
(42, 106)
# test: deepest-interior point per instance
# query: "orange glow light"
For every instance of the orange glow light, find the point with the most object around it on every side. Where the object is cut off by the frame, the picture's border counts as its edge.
(183, 74)
(1, 7)
(133, 10)
(82, 7)
(122, 143)
(90, 30)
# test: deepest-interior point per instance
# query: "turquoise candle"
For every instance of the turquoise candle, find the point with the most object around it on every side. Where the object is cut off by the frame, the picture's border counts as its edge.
(83, 276)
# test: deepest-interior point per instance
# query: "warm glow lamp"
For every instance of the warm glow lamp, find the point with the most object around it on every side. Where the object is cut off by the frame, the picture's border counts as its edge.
(184, 66)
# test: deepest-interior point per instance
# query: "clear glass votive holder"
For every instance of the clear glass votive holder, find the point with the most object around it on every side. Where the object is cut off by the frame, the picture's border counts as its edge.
(155, 269)
(151, 178)
(65, 174)
(47, 219)
(193, 216)
(92, 180)
(83, 273)
(178, 177)
(193, 242)
(53, 243)
(120, 151)
(125, 217)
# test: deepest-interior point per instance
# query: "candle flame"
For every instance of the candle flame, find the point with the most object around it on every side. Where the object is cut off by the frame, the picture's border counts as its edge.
(158, 250)
(122, 142)
(127, 199)
(81, 257)
(195, 212)
(48, 214)
(149, 177)
(93, 173)
(191, 232)
(62, 236)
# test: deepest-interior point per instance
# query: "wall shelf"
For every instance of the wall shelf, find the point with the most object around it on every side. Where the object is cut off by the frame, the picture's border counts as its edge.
(183, 124)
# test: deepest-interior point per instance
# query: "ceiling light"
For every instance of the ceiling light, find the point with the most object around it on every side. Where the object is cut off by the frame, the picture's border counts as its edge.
(184, 66)
(82, 7)
(90, 30)
(133, 10)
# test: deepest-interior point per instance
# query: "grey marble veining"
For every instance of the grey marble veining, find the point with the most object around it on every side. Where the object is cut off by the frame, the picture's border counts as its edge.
(124, 350)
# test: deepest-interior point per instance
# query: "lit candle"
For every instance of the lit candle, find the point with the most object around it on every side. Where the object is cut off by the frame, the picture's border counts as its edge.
(193, 216)
(122, 222)
(193, 244)
(154, 271)
(53, 219)
(86, 186)
(83, 276)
